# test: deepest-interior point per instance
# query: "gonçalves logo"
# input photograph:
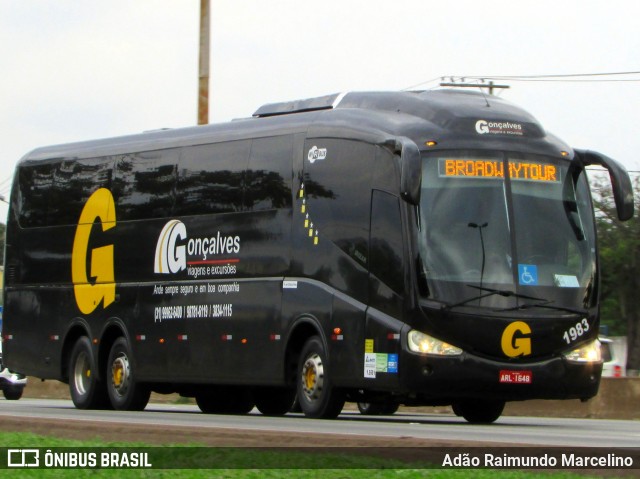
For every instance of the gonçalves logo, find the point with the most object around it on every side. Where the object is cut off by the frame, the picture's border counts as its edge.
(484, 127)
(171, 257)
(175, 251)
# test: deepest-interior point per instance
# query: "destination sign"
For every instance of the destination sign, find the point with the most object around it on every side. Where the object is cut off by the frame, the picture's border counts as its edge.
(518, 170)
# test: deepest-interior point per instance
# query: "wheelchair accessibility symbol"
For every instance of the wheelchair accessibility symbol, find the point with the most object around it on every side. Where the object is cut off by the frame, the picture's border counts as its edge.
(528, 274)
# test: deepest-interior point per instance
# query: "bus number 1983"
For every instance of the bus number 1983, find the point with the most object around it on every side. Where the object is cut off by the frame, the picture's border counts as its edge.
(574, 332)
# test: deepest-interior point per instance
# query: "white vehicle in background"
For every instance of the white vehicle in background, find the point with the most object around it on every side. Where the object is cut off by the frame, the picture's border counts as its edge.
(613, 352)
(12, 384)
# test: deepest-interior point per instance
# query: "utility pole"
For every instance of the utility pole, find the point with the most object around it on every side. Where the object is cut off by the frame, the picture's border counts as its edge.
(203, 67)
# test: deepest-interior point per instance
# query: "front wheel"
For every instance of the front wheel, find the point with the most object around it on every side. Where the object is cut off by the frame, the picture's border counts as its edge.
(317, 396)
(87, 390)
(479, 411)
(125, 393)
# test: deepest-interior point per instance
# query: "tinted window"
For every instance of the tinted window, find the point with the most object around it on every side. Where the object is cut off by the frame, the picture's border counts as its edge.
(54, 193)
(36, 183)
(268, 179)
(386, 241)
(145, 184)
(74, 182)
(336, 189)
(211, 178)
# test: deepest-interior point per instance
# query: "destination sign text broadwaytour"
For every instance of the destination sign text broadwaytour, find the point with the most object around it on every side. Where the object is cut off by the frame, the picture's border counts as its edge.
(518, 170)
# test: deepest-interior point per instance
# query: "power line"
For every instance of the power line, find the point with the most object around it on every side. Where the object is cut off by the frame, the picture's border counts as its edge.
(422, 83)
(559, 80)
(562, 77)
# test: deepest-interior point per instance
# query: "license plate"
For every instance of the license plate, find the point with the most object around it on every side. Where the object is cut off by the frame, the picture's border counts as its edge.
(516, 377)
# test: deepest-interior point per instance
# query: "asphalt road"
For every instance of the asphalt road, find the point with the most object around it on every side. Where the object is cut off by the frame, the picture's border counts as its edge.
(507, 430)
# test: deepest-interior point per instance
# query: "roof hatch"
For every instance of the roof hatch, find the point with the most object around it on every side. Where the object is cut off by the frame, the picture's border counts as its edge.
(299, 106)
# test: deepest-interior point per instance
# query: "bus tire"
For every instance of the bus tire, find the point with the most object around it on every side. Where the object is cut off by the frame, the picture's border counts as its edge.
(86, 389)
(479, 411)
(274, 401)
(316, 394)
(240, 400)
(125, 393)
(210, 403)
(225, 400)
(295, 407)
(391, 408)
(13, 394)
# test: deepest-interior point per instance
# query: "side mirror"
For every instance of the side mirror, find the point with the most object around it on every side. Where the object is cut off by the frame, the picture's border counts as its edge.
(620, 181)
(410, 170)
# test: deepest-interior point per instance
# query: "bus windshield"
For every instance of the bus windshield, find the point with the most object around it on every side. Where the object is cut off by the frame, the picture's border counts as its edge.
(506, 231)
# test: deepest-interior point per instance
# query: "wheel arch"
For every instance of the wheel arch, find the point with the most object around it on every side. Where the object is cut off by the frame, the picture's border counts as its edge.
(112, 331)
(78, 329)
(303, 328)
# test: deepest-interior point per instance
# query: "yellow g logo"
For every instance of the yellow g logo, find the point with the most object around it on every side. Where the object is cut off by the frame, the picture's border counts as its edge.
(88, 296)
(514, 346)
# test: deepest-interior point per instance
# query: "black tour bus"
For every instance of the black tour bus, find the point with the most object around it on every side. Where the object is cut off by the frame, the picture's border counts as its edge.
(416, 248)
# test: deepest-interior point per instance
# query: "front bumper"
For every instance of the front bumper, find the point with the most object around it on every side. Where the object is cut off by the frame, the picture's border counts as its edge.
(442, 380)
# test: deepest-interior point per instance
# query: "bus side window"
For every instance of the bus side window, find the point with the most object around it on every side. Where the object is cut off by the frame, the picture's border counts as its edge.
(211, 178)
(268, 178)
(386, 246)
(74, 182)
(145, 183)
(35, 194)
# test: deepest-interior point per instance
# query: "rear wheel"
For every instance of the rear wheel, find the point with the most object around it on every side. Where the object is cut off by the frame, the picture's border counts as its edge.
(317, 396)
(273, 401)
(225, 400)
(479, 411)
(125, 393)
(86, 389)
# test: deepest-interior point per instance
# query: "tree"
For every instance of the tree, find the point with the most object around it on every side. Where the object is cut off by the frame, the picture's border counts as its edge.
(619, 246)
(2, 235)
(3, 228)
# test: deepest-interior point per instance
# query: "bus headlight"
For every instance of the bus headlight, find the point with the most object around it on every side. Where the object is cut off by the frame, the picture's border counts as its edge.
(587, 353)
(423, 343)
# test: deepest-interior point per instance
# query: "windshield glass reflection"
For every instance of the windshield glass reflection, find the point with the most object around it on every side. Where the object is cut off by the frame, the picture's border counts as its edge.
(529, 232)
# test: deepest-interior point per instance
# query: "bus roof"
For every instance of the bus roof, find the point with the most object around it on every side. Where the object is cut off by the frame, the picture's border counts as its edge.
(448, 117)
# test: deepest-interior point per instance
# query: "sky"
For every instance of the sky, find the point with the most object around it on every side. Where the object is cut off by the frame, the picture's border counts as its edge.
(74, 70)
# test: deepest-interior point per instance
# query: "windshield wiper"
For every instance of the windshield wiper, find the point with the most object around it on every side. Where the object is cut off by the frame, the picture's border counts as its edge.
(506, 293)
(546, 305)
